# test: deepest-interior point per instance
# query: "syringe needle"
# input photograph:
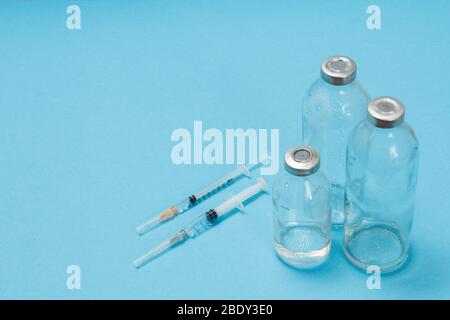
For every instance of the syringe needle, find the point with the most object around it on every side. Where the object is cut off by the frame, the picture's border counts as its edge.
(148, 225)
(177, 238)
(143, 228)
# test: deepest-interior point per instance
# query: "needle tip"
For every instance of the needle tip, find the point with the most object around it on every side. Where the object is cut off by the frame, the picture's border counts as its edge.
(140, 230)
(136, 264)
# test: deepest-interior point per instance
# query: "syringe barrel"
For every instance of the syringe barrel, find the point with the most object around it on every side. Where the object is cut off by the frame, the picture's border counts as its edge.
(237, 200)
(221, 182)
(198, 226)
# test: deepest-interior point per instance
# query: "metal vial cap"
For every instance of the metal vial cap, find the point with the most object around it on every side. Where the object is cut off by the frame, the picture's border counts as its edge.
(338, 70)
(386, 112)
(301, 161)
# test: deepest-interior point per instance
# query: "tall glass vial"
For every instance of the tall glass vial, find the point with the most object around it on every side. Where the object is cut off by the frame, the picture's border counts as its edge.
(333, 106)
(302, 214)
(382, 165)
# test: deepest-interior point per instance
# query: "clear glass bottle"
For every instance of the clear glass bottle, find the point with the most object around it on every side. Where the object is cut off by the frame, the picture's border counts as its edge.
(302, 213)
(382, 165)
(333, 106)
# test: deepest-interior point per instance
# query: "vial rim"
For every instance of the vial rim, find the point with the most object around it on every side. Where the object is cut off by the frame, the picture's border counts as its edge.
(384, 120)
(298, 168)
(338, 78)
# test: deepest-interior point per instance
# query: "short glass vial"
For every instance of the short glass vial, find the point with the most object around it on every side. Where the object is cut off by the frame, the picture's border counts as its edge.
(302, 212)
(382, 167)
(333, 106)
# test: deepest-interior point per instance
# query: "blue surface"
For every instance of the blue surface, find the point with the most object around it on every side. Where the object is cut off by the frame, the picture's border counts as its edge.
(85, 124)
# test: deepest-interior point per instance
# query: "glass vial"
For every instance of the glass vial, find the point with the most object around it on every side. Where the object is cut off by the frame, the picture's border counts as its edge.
(302, 213)
(382, 165)
(333, 106)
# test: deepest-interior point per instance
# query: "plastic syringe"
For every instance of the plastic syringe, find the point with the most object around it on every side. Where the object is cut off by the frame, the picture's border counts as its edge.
(196, 198)
(204, 222)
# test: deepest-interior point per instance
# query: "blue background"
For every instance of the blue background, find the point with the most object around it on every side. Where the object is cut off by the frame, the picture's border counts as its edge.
(85, 124)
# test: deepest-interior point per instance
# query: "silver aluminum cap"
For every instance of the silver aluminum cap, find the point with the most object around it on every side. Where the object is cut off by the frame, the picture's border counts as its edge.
(386, 112)
(301, 161)
(338, 70)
